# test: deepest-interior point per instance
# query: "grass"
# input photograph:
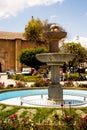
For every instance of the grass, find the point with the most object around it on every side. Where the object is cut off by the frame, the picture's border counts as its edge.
(84, 109)
(43, 118)
(7, 113)
(23, 114)
(40, 114)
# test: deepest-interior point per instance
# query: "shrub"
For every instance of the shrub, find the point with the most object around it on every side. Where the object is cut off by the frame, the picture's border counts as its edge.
(41, 83)
(13, 123)
(68, 121)
(68, 83)
(83, 85)
(10, 86)
(82, 123)
(20, 84)
(74, 76)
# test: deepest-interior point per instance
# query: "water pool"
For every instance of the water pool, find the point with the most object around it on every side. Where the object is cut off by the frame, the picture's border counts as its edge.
(19, 93)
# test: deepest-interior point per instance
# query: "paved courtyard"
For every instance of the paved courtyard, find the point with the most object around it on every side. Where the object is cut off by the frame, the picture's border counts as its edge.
(7, 81)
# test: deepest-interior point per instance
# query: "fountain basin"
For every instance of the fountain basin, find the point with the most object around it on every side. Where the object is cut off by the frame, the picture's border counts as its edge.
(55, 34)
(55, 57)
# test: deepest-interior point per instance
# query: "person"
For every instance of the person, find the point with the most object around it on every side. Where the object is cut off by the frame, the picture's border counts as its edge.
(44, 77)
(61, 75)
(68, 73)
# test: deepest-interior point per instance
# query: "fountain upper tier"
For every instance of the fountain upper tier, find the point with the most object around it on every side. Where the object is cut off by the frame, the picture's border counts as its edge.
(55, 32)
(55, 35)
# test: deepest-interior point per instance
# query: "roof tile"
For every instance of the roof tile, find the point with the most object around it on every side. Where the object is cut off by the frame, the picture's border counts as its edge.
(11, 35)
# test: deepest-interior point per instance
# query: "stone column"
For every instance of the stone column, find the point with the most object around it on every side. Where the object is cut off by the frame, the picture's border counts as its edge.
(53, 46)
(17, 51)
(55, 92)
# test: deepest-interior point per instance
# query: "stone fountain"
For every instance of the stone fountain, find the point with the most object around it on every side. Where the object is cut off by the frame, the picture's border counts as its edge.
(54, 60)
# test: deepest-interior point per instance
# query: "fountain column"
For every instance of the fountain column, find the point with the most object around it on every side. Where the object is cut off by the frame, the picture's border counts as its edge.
(55, 91)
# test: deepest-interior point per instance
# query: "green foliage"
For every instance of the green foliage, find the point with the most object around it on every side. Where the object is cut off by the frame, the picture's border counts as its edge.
(27, 78)
(18, 77)
(7, 113)
(24, 114)
(74, 76)
(28, 57)
(34, 30)
(42, 114)
(75, 48)
(82, 85)
(41, 83)
(84, 109)
(77, 77)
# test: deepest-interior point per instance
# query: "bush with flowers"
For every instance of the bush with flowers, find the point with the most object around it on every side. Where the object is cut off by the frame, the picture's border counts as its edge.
(2, 85)
(19, 84)
(82, 123)
(13, 123)
(68, 83)
(41, 83)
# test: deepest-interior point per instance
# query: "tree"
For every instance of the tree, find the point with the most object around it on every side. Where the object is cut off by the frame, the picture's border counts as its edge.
(75, 48)
(34, 30)
(28, 57)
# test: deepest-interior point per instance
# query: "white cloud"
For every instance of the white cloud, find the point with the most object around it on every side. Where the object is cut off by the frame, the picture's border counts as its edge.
(12, 7)
(82, 40)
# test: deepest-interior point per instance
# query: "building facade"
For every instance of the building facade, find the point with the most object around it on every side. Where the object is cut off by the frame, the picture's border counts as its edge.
(11, 44)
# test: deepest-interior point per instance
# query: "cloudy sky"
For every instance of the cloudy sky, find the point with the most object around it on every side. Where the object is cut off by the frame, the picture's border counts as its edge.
(70, 14)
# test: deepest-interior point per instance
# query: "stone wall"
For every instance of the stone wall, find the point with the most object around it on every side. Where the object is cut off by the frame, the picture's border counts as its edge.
(9, 51)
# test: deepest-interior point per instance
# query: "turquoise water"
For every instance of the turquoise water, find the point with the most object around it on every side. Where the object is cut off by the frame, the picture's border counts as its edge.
(13, 94)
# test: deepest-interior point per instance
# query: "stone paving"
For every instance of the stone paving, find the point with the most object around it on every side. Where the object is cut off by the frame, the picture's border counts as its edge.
(7, 81)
